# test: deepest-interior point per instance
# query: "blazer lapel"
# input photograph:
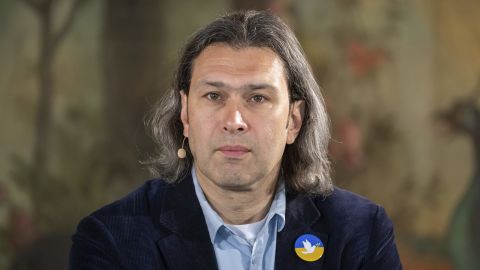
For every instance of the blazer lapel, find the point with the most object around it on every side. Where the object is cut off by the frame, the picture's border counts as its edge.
(183, 240)
(301, 217)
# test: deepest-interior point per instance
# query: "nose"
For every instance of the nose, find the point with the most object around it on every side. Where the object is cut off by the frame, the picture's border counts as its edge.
(234, 122)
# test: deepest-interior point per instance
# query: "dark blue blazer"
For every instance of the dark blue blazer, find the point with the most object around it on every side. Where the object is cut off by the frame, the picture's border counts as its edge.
(161, 226)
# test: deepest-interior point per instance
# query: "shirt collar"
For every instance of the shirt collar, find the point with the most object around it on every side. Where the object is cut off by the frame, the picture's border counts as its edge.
(215, 222)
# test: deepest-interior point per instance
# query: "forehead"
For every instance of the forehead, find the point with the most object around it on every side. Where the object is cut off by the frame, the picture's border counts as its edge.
(221, 60)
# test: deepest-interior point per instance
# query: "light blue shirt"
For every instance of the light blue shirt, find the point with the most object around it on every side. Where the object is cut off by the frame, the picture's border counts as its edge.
(231, 250)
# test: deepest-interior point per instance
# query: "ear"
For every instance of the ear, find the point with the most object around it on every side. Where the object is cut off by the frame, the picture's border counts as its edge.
(184, 113)
(296, 120)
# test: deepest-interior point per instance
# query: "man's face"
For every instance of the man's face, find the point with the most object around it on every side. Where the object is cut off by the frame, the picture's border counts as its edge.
(236, 115)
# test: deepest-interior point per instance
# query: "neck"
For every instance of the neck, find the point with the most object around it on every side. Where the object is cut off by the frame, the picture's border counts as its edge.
(244, 206)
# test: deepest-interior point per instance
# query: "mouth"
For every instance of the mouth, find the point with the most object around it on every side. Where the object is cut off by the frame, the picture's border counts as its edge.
(234, 151)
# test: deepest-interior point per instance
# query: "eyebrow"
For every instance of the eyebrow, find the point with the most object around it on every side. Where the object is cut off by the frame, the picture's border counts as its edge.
(250, 86)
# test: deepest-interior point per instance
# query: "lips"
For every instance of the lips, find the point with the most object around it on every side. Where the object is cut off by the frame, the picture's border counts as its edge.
(233, 150)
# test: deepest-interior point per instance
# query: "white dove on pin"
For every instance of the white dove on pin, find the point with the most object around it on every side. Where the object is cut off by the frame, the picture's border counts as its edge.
(308, 247)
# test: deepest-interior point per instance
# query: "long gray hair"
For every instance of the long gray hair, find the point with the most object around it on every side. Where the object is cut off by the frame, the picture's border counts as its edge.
(305, 165)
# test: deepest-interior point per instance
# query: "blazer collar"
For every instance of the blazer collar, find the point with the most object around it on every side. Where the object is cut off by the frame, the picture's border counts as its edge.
(302, 217)
(183, 240)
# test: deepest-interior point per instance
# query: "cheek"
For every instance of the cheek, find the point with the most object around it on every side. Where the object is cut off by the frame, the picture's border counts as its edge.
(201, 130)
(274, 136)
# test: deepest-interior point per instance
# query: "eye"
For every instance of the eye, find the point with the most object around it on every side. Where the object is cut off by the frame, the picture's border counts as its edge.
(213, 96)
(258, 99)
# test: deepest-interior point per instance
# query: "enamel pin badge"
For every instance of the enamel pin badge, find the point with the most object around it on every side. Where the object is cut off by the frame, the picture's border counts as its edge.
(309, 247)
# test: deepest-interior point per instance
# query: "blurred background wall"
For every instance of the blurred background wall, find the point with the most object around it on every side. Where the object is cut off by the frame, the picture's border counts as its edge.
(400, 78)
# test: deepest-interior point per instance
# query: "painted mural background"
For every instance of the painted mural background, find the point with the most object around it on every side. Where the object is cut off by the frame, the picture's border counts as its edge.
(401, 79)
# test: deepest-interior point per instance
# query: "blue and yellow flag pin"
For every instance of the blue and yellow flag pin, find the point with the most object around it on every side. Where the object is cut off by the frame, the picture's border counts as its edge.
(309, 247)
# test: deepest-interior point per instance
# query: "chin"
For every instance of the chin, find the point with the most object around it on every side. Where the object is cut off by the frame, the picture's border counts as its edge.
(236, 182)
(237, 187)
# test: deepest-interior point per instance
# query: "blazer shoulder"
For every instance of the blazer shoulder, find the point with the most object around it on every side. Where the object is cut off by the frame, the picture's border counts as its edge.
(362, 227)
(121, 234)
(352, 214)
(136, 203)
(344, 204)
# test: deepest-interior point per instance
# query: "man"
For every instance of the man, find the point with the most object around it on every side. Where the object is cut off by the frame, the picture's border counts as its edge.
(249, 187)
